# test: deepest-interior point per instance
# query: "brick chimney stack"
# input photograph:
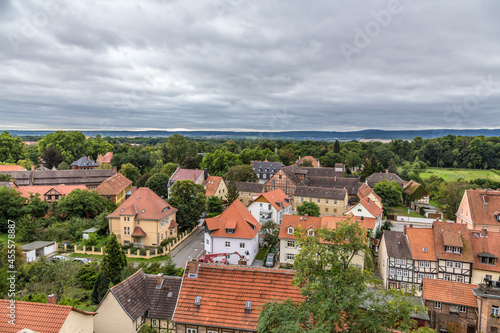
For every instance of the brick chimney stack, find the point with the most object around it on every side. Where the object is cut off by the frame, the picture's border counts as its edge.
(51, 299)
(159, 280)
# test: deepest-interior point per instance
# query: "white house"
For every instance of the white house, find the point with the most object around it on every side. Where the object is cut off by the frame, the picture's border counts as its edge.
(36, 249)
(271, 205)
(367, 208)
(235, 230)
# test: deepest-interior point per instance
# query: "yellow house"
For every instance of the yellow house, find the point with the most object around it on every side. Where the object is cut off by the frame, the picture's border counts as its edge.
(215, 186)
(248, 192)
(331, 201)
(115, 188)
(141, 299)
(144, 219)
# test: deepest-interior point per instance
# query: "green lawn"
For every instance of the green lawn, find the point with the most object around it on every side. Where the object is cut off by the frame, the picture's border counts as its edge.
(369, 261)
(455, 174)
(403, 211)
(261, 254)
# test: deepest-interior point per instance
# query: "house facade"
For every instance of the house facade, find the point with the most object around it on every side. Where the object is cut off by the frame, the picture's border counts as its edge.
(331, 201)
(215, 186)
(235, 230)
(486, 252)
(115, 188)
(271, 206)
(367, 208)
(480, 209)
(265, 170)
(144, 219)
(423, 251)
(140, 299)
(248, 192)
(395, 261)
(452, 306)
(488, 304)
(84, 163)
(222, 299)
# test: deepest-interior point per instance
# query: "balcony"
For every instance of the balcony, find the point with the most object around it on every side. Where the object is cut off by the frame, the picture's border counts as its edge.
(265, 211)
(490, 287)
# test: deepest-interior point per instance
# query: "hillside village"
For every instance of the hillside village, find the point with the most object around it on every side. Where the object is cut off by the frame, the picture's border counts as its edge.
(250, 235)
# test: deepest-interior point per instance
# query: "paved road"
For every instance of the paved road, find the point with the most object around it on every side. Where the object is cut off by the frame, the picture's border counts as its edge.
(190, 248)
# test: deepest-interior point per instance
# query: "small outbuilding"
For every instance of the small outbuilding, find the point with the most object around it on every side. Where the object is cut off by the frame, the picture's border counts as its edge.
(34, 250)
(87, 232)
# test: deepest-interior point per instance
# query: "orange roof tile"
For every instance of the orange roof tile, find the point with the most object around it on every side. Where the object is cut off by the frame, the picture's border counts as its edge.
(182, 174)
(449, 292)
(106, 158)
(114, 185)
(308, 158)
(138, 232)
(489, 244)
(420, 238)
(237, 217)
(484, 204)
(39, 317)
(9, 167)
(455, 234)
(42, 189)
(365, 190)
(211, 185)
(144, 204)
(370, 206)
(275, 198)
(224, 292)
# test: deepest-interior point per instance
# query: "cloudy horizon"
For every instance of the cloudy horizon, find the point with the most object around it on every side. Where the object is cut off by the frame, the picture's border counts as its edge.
(252, 66)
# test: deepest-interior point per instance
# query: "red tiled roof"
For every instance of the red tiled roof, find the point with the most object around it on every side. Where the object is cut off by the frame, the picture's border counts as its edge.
(420, 238)
(309, 158)
(237, 217)
(449, 292)
(410, 187)
(138, 232)
(144, 204)
(224, 292)
(370, 206)
(9, 167)
(39, 317)
(275, 197)
(365, 190)
(114, 185)
(106, 158)
(489, 244)
(182, 174)
(331, 221)
(453, 233)
(483, 206)
(211, 185)
(42, 189)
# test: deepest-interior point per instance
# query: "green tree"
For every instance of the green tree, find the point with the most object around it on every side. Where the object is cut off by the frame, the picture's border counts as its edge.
(130, 171)
(99, 146)
(87, 275)
(63, 166)
(11, 149)
(83, 203)
(450, 196)
(100, 289)
(72, 145)
(189, 198)
(219, 162)
(338, 297)
(241, 173)
(389, 192)
(232, 193)
(309, 208)
(114, 260)
(177, 149)
(336, 147)
(270, 233)
(11, 204)
(141, 182)
(52, 157)
(27, 229)
(330, 159)
(214, 206)
(35, 206)
(353, 160)
(25, 164)
(169, 169)
(158, 183)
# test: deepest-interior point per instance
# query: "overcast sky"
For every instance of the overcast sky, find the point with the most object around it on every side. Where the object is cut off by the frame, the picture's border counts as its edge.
(249, 65)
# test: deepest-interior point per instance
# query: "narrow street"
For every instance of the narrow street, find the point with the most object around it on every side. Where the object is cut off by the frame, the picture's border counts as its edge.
(190, 248)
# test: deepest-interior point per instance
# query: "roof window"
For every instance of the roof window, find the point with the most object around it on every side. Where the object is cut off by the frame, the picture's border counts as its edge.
(197, 300)
(248, 305)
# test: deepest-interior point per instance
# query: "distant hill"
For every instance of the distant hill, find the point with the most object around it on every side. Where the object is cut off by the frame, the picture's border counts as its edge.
(290, 135)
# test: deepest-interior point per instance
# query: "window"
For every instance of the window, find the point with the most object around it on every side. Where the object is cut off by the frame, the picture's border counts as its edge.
(229, 231)
(228, 244)
(447, 277)
(242, 245)
(289, 231)
(170, 232)
(462, 308)
(403, 261)
(269, 206)
(326, 201)
(460, 278)
(326, 209)
(290, 256)
(398, 261)
(427, 264)
(449, 264)
(124, 230)
(392, 271)
(400, 272)
(208, 241)
(128, 230)
(310, 232)
(290, 243)
(437, 305)
(448, 248)
(458, 265)
(424, 249)
(153, 323)
(405, 273)
(495, 310)
(335, 202)
(429, 276)
(319, 200)
(260, 205)
(488, 261)
(420, 276)
(191, 330)
(421, 264)
(457, 249)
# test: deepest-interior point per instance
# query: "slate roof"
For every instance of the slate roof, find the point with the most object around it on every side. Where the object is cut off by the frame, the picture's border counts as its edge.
(41, 190)
(452, 234)
(138, 293)
(260, 167)
(396, 245)
(449, 292)
(485, 245)
(248, 187)
(321, 192)
(225, 291)
(58, 177)
(377, 178)
(420, 238)
(83, 162)
(144, 204)
(211, 185)
(483, 204)
(39, 317)
(352, 185)
(237, 217)
(114, 185)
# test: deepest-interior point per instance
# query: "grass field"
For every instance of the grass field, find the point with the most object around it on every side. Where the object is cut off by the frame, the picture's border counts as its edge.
(455, 174)
(403, 211)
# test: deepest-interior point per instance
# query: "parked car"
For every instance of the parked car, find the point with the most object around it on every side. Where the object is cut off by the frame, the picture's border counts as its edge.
(58, 258)
(271, 257)
(82, 260)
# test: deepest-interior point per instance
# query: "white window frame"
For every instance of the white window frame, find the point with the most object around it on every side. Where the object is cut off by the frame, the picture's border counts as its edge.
(429, 276)
(460, 278)
(437, 305)
(427, 264)
(447, 277)
(290, 231)
(290, 243)
(392, 271)
(449, 264)
(227, 244)
(405, 273)
(399, 272)
(421, 264)
(242, 245)
(398, 261)
(403, 261)
(191, 330)
(420, 276)
(289, 256)
(495, 310)
(310, 232)
(457, 264)
(462, 309)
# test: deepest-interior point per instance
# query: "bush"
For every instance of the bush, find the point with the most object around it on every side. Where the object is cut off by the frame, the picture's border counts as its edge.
(165, 242)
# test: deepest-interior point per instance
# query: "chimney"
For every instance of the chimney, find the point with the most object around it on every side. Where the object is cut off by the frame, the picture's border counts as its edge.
(484, 232)
(159, 280)
(193, 269)
(32, 167)
(51, 299)
(404, 230)
(386, 170)
(306, 217)
(115, 170)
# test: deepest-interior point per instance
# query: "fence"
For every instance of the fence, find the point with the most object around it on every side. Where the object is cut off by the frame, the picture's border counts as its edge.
(157, 253)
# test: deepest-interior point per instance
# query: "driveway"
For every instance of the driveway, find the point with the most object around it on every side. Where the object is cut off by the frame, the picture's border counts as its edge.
(189, 249)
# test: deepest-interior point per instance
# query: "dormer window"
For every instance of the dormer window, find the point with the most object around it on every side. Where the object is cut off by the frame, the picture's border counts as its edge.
(229, 231)
(497, 216)
(488, 258)
(452, 249)
(290, 231)
(310, 232)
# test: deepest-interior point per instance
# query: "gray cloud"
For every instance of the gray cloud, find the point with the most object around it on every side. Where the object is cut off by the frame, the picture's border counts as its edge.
(261, 65)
